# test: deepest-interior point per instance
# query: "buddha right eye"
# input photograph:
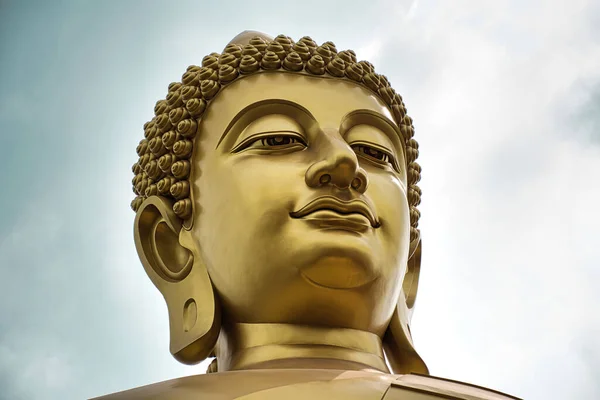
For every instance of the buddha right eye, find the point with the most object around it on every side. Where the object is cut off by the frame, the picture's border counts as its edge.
(280, 140)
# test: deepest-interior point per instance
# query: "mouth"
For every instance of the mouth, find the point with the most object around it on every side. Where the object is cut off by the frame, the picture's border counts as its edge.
(329, 209)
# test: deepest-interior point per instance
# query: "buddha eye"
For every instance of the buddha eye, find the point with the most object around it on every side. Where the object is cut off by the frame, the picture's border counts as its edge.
(280, 140)
(373, 154)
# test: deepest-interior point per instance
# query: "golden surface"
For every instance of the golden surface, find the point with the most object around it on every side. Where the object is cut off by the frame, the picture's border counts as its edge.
(276, 213)
(330, 384)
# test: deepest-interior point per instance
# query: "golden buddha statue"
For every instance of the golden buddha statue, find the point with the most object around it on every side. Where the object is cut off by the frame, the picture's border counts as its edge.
(276, 212)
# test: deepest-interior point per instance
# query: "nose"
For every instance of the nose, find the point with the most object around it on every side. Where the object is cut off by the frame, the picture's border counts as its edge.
(338, 166)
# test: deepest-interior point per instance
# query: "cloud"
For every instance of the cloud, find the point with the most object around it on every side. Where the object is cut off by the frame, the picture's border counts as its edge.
(585, 117)
(370, 51)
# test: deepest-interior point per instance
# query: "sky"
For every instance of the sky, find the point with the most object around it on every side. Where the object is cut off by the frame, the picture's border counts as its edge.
(506, 102)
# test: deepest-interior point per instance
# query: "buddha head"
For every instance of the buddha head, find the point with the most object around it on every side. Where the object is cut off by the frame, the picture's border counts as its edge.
(276, 188)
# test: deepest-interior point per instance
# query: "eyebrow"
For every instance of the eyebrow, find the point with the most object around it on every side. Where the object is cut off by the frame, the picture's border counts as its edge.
(286, 104)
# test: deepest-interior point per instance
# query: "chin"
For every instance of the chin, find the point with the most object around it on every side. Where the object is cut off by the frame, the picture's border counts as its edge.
(344, 264)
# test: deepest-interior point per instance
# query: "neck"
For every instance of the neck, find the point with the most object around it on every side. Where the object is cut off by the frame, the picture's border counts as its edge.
(268, 346)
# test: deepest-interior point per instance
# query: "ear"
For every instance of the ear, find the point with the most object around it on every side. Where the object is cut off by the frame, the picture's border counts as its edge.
(410, 284)
(172, 260)
(397, 341)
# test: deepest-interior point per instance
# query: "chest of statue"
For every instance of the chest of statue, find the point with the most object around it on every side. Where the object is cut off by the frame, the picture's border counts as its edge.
(309, 384)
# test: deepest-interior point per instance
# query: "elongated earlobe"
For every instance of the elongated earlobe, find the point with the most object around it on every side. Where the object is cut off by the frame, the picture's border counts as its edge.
(397, 341)
(172, 260)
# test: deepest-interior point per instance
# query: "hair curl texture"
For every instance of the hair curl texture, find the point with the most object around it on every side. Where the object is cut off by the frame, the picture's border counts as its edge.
(163, 166)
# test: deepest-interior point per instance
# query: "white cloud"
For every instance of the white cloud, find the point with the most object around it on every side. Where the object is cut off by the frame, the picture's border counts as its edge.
(52, 372)
(370, 51)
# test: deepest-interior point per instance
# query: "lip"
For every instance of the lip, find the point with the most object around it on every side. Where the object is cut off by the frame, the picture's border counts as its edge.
(331, 205)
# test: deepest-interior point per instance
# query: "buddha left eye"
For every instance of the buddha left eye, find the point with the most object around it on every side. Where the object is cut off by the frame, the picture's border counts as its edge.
(373, 153)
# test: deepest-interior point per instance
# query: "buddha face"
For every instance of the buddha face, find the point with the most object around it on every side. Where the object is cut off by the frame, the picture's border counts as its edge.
(300, 206)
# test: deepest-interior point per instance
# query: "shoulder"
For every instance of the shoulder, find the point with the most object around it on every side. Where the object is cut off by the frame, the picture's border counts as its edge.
(422, 386)
(263, 384)
(313, 384)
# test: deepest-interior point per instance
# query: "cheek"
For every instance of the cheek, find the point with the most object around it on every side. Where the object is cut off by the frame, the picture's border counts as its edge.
(243, 209)
(395, 237)
(263, 187)
(389, 196)
(239, 197)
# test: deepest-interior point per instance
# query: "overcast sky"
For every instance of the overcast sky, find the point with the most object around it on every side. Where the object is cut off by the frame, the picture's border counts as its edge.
(506, 101)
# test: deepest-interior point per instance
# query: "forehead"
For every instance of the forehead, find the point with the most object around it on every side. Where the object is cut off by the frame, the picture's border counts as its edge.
(328, 100)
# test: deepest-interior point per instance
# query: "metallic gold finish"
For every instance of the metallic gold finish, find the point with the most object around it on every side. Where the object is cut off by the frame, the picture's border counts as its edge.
(277, 384)
(276, 213)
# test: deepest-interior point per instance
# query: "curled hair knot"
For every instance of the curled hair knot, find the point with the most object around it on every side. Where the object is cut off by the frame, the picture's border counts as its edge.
(325, 53)
(293, 62)
(180, 190)
(157, 147)
(183, 208)
(151, 190)
(190, 92)
(270, 61)
(331, 46)
(187, 128)
(229, 59)
(190, 78)
(166, 161)
(354, 72)
(348, 56)
(308, 42)
(233, 49)
(227, 73)
(173, 86)
(181, 169)
(252, 51)
(259, 43)
(209, 89)
(174, 98)
(207, 74)
(285, 41)
(178, 114)
(336, 67)
(398, 112)
(372, 81)
(164, 185)
(161, 107)
(195, 107)
(211, 61)
(169, 139)
(249, 64)
(276, 48)
(387, 93)
(183, 148)
(136, 203)
(367, 67)
(302, 50)
(316, 65)
(414, 198)
(142, 148)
